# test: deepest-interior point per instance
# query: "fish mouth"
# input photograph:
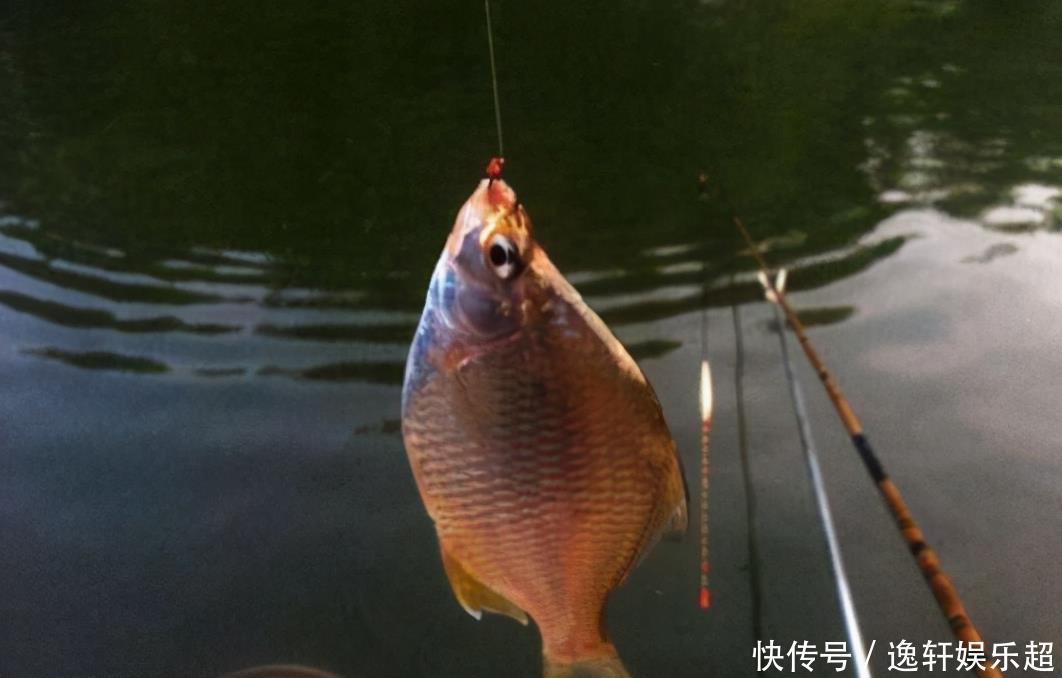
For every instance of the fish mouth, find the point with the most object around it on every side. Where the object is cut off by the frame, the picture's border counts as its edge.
(492, 208)
(497, 194)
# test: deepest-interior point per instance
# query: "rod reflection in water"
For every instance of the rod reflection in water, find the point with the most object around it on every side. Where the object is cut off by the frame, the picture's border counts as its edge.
(746, 475)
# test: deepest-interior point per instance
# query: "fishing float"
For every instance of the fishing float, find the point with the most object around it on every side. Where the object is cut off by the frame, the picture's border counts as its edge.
(705, 402)
(704, 599)
(944, 591)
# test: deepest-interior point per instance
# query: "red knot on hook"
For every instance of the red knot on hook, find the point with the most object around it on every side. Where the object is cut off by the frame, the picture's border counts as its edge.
(494, 168)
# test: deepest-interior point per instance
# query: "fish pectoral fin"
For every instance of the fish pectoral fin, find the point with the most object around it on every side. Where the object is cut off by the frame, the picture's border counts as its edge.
(475, 596)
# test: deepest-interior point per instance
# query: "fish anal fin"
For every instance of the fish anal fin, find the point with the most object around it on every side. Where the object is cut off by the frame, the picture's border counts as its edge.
(475, 596)
(678, 523)
(678, 497)
(593, 667)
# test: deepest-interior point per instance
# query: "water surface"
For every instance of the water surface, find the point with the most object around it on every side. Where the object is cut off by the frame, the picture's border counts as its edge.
(217, 227)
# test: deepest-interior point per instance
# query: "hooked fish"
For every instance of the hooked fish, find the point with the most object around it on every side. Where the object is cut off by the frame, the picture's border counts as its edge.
(281, 671)
(537, 444)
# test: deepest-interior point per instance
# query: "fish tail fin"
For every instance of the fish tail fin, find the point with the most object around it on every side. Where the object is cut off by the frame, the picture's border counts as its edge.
(607, 666)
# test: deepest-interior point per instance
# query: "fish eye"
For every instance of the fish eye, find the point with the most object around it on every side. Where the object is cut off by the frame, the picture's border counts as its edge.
(502, 256)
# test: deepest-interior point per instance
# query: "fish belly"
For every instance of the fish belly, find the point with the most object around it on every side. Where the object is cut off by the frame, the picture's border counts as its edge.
(547, 470)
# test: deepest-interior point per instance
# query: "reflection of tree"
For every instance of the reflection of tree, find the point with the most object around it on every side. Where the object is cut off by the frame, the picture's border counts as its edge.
(103, 287)
(101, 360)
(341, 137)
(978, 114)
(91, 318)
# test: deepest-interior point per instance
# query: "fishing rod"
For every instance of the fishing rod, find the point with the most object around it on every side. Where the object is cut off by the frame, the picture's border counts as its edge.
(944, 591)
(811, 458)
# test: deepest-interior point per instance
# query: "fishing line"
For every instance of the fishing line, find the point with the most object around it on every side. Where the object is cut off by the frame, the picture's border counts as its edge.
(494, 78)
(746, 473)
(811, 457)
(944, 591)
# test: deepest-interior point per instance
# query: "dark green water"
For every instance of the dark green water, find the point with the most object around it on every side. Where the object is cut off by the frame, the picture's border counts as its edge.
(219, 220)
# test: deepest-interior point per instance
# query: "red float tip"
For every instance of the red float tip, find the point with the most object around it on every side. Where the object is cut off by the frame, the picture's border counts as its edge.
(706, 600)
(494, 168)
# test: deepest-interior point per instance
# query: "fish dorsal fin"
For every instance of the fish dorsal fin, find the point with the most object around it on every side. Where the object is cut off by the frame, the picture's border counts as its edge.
(593, 322)
(475, 596)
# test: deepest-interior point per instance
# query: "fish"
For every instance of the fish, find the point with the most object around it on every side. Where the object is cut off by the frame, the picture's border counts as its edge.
(281, 671)
(537, 444)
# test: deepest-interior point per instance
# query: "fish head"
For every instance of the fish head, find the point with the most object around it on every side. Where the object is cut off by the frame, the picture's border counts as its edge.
(481, 281)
